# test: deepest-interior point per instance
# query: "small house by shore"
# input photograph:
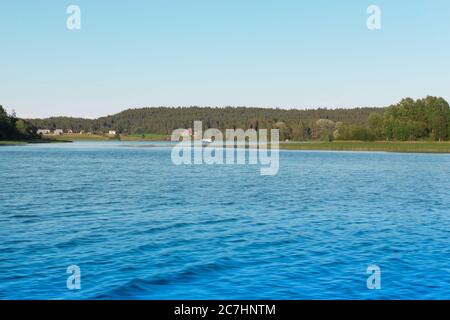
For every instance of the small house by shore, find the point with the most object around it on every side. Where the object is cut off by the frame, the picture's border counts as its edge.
(43, 131)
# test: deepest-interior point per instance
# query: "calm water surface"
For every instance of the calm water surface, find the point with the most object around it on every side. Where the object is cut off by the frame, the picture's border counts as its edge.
(140, 227)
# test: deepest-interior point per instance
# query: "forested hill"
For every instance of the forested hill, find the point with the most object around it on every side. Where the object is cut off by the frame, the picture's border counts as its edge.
(164, 120)
(421, 119)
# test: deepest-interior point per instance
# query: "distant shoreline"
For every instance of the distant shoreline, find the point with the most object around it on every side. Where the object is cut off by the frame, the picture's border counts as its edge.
(377, 146)
(106, 137)
(384, 146)
(25, 142)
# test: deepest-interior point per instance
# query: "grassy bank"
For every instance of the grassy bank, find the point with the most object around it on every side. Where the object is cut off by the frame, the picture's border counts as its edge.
(78, 137)
(413, 146)
(24, 142)
(100, 137)
(145, 137)
(12, 143)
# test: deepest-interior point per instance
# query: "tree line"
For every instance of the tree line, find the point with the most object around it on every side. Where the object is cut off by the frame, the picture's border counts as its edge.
(422, 119)
(13, 128)
(293, 124)
(408, 120)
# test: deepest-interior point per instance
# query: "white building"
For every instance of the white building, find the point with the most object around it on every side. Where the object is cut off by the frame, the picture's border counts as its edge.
(112, 132)
(58, 132)
(43, 131)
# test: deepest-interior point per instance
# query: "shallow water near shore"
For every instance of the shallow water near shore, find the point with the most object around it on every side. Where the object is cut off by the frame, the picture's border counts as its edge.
(140, 227)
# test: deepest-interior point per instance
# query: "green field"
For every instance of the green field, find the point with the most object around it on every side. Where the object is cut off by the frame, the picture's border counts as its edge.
(414, 146)
(78, 137)
(145, 137)
(100, 137)
(11, 143)
(23, 142)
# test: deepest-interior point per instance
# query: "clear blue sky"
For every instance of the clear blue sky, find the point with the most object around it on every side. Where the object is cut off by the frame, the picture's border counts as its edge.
(269, 53)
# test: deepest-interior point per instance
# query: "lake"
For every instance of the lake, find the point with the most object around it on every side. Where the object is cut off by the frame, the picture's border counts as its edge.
(140, 227)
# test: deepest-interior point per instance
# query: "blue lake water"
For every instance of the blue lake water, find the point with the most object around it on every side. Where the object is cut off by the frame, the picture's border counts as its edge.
(140, 227)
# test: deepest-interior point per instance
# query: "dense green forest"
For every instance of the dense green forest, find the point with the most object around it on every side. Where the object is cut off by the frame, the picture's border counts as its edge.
(12, 128)
(293, 124)
(422, 119)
